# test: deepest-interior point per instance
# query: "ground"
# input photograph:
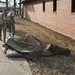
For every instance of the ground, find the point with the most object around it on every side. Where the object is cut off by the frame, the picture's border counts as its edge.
(54, 65)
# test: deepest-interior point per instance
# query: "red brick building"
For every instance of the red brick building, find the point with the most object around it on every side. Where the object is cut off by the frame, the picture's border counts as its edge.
(58, 15)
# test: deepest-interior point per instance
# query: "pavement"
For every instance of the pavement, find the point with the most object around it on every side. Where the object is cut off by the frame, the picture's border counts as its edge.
(13, 66)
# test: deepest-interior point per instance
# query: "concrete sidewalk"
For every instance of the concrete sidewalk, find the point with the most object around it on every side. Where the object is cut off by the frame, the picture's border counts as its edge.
(13, 66)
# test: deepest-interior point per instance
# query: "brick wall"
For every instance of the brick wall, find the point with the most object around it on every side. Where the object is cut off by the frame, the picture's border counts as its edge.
(62, 21)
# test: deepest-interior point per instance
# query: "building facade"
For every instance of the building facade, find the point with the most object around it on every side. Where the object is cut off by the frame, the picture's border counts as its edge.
(58, 15)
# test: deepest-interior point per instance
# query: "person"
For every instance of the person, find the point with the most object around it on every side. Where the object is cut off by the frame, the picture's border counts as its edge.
(5, 18)
(17, 12)
(5, 12)
(5, 24)
(1, 24)
(11, 22)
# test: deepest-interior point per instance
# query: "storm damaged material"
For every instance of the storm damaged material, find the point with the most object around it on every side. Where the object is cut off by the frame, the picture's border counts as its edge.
(52, 50)
(13, 54)
(26, 45)
(57, 50)
(31, 48)
(46, 50)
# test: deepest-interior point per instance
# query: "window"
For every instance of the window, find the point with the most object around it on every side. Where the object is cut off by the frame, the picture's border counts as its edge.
(73, 5)
(54, 5)
(43, 5)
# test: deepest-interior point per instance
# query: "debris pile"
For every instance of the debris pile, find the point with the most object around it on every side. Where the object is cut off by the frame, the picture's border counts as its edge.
(31, 48)
(26, 45)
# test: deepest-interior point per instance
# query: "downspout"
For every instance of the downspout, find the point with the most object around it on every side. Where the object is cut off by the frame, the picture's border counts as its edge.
(20, 7)
(6, 4)
(15, 7)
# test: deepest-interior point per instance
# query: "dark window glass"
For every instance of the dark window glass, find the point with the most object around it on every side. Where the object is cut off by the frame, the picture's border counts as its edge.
(54, 5)
(43, 5)
(73, 5)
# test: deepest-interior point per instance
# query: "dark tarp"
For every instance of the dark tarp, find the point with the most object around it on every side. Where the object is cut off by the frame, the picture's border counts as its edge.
(32, 48)
(26, 45)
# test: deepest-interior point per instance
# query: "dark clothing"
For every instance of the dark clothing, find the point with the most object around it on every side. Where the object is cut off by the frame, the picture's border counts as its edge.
(5, 13)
